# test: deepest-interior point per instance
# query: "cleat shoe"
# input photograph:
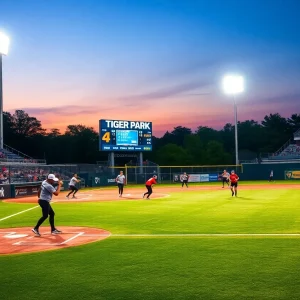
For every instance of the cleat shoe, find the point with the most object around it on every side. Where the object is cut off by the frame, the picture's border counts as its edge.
(56, 231)
(74, 197)
(36, 232)
(67, 197)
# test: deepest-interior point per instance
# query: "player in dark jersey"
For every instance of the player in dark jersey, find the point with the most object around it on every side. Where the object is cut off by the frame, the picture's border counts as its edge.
(233, 183)
(185, 179)
(149, 184)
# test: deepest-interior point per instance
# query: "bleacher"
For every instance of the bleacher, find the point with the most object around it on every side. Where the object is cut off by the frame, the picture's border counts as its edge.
(17, 167)
(291, 150)
(11, 155)
(288, 152)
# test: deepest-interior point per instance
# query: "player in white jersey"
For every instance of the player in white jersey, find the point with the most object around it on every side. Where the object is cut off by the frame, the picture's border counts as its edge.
(121, 180)
(72, 186)
(185, 179)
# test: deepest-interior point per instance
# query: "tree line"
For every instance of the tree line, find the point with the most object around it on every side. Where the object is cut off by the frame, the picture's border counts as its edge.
(181, 146)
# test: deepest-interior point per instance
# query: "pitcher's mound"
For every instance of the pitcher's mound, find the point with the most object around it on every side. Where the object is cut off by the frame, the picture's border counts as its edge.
(22, 239)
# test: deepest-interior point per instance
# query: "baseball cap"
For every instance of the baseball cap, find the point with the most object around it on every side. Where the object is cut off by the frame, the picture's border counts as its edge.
(52, 176)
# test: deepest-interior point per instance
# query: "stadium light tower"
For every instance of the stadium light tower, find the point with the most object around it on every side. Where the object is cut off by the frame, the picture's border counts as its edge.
(234, 85)
(4, 43)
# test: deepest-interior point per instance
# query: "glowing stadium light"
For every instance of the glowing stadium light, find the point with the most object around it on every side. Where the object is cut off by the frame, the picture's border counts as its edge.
(4, 43)
(233, 84)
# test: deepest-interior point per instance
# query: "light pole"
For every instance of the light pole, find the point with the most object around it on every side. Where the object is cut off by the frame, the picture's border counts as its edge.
(233, 85)
(4, 43)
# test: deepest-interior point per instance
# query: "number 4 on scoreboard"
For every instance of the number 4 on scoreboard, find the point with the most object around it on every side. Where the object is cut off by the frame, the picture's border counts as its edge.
(106, 137)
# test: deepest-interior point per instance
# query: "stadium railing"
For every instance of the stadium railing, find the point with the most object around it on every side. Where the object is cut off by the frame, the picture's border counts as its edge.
(23, 160)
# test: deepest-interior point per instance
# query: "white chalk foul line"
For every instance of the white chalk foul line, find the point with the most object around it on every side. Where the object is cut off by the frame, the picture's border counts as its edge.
(168, 235)
(208, 235)
(21, 212)
(72, 238)
(25, 243)
(183, 235)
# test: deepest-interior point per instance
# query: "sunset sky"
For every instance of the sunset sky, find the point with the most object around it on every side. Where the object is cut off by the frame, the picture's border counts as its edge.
(75, 62)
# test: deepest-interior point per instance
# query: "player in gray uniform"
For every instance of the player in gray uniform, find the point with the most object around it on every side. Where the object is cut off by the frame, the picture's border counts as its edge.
(45, 196)
(185, 179)
(72, 186)
(225, 178)
(121, 182)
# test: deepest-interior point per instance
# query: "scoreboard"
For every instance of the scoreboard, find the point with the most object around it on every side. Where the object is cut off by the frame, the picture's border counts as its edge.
(117, 135)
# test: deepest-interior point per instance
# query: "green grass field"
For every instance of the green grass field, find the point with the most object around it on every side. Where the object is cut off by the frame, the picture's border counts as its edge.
(153, 267)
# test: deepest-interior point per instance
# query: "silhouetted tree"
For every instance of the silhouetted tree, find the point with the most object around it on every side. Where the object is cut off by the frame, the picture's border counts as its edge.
(26, 126)
(8, 131)
(194, 148)
(172, 155)
(54, 132)
(208, 134)
(294, 122)
(80, 144)
(276, 131)
(215, 154)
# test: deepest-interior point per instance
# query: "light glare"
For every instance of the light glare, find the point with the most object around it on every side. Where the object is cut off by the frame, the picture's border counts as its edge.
(4, 43)
(233, 84)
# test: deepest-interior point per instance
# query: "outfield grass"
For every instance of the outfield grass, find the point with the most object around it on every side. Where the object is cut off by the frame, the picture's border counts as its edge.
(165, 267)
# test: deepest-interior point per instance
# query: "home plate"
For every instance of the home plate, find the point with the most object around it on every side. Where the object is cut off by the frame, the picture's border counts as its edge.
(22, 240)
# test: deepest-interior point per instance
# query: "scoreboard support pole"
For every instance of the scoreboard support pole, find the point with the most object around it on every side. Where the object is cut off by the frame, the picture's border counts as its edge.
(141, 162)
(112, 161)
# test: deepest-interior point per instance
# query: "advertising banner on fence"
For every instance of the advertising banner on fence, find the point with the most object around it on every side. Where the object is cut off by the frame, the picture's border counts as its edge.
(103, 181)
(204, 178)
(292, 174)
(197, 177)
(26, 190)
(192, 178)
(213, 177)
(5, 191)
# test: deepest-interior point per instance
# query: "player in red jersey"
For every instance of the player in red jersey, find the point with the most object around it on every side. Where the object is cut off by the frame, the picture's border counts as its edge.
(233, 183)
(149, 184)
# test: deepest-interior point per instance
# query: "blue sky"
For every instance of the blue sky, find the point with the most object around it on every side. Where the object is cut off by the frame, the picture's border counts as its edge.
(157, 60)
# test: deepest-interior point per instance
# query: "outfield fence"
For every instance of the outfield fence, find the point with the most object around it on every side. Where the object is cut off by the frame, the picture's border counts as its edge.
(172, 174)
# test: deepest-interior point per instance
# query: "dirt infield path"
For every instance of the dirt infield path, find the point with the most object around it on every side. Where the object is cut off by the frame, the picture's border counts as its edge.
(22, 239)
(94, 195)
(103, 194)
